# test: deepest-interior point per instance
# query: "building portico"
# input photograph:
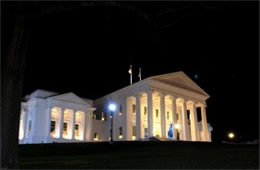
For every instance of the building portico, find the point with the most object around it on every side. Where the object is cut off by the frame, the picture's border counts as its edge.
(152, 112)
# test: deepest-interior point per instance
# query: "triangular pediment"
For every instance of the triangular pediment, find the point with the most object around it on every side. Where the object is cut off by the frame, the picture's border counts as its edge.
(180, 80)
(70, 97)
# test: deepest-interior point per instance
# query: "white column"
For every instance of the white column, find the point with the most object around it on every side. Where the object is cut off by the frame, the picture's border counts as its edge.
(174, 116)
(150, 113)
(84, 126)
(48, 122)
(194, 122)
(184, 121)
(138, 117)
(128, 128)
(61, 123)
(91, 124)
(25, 123)
(163, 119)
(204, 123)
(124, 115)
(73, 124)
(142, 116)
(89, 116)
(33, 121)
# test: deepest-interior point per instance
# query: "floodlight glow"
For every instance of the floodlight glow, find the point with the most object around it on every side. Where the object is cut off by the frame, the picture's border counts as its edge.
(177, 126)
(112, 107)
(231, 135)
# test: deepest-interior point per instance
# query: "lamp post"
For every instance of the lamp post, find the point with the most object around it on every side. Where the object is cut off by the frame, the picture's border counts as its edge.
(112, 108)
(231, 136)
(177, 126)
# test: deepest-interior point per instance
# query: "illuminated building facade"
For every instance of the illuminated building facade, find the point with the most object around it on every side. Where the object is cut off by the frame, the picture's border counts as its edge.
(145, 109)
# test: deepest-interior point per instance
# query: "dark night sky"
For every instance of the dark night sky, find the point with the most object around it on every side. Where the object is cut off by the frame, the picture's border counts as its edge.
(88, 51)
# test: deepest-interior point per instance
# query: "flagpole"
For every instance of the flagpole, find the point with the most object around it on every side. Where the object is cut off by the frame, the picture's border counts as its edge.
(131, 78)
(131, 72)
(140, 74)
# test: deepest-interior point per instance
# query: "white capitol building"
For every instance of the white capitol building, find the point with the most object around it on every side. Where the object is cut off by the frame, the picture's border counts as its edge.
(148, 108)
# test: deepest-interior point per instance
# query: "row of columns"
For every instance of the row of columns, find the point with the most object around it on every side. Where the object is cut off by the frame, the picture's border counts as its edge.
(73, 124)
(87, 120)
(183, 118)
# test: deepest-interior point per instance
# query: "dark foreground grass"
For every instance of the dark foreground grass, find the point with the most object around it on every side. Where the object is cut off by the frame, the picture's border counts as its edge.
(144, 155)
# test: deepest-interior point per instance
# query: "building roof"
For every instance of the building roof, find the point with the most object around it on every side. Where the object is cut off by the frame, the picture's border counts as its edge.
(181, 80)
(39, 93)
(71, 97)
(177, 79)
(44, 94)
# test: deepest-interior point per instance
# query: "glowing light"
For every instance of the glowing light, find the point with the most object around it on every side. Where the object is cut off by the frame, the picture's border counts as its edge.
(177, 126)
(196, 76)
(95, 137)
(102, 117)
(133, 137)
(120, 136)
(112, 107)
(231, 135)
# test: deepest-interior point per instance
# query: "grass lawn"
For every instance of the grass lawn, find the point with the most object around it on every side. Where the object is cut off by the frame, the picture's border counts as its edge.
(142, 155)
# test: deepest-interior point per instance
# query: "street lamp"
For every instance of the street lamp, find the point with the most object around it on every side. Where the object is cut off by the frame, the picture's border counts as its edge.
(177, 126)
(112, 108)
(231, 135)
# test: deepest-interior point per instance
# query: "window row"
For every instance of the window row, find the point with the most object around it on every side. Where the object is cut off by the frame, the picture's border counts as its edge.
(65, 129)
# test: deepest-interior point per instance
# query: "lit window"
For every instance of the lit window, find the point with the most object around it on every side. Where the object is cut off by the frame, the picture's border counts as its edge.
(65, 127)
(95, 137)
(120, 109)
(145, 110)
(157, 134)
(134, 108)
(188, 114)
(102, 116)
(134, 131)
(157, 113)
(145, 132)
(168, 115)
(120, 133)
(94, 116)
(53, 126)
(76, 129)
